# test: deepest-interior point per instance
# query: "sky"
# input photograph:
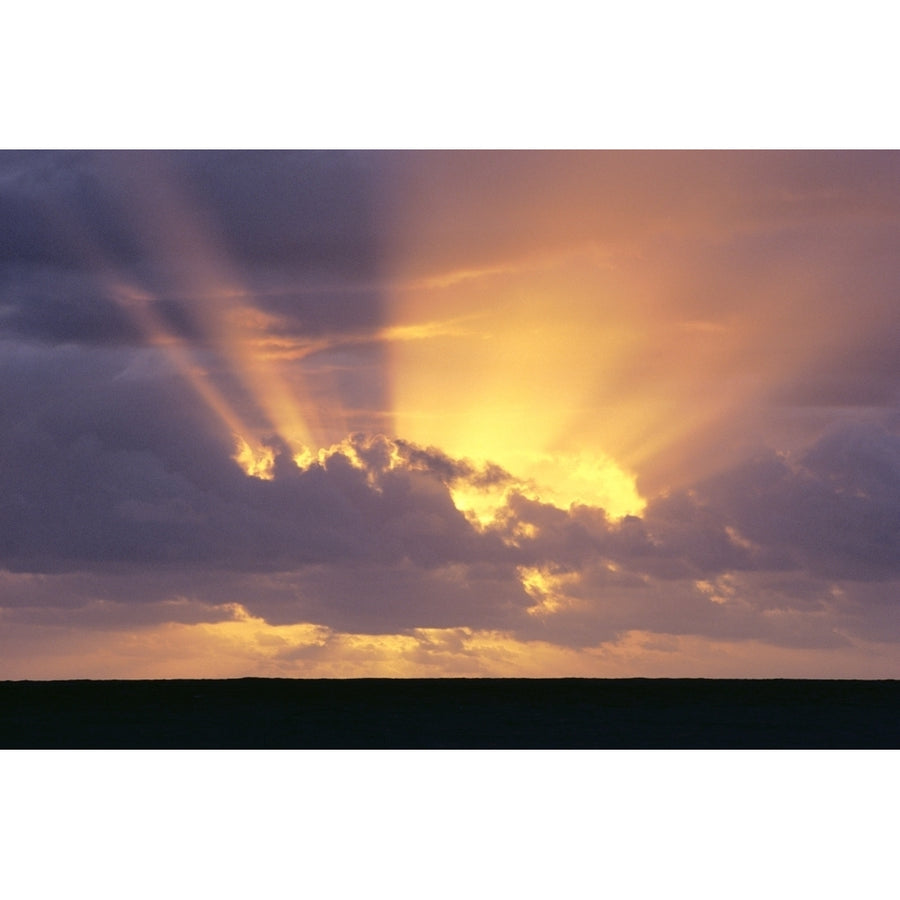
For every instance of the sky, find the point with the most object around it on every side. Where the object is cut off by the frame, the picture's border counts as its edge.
(449, 413)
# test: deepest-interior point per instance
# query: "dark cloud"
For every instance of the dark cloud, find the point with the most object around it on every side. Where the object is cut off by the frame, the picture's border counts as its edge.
(449, 470)
(835, 510)
(382, 599)
(310, 211)
(59, 211)
(348, 310)
(55, 305)
(276, 220)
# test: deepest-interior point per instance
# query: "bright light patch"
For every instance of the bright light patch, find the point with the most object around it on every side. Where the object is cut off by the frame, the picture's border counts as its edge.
(257, 462)
(588, 479)
(481, 506)
(547, 589)
(563, 480)
(519, 386)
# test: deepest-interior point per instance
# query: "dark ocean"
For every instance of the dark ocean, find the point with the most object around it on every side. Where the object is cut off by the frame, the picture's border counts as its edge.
(570, 713)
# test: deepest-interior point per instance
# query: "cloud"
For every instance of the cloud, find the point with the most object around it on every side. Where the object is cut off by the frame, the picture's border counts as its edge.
(296, 228)
(835, 509)
(106, 478)
(103, 465)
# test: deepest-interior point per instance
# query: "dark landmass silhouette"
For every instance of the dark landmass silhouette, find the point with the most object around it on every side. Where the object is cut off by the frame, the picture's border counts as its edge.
(254, 713)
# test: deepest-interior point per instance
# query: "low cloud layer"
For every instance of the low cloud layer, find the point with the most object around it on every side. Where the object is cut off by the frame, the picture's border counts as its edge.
(132, 485)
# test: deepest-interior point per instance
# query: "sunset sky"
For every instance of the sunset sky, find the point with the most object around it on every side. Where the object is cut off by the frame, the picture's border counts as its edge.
(461, 413)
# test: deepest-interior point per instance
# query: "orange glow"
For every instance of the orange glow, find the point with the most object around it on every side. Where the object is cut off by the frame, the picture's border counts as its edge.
(510, 382)
(246, 645)
(605, 310)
